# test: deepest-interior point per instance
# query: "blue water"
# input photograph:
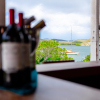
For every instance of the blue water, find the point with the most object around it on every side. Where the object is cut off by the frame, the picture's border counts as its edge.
(83, 51)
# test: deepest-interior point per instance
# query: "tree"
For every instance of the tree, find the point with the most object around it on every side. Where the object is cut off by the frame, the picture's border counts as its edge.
(49, 50)
(87, 58)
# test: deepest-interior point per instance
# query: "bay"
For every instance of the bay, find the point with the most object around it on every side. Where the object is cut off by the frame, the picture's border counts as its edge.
(83, 51)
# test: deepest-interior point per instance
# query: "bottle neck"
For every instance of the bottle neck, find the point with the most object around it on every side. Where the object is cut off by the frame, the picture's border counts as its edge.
(11, 11)
(20, 24)
(21, 21)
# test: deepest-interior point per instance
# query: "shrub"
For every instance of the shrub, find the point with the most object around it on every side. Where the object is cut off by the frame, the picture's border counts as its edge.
(87, 58)
(49, 50)
(78, 44)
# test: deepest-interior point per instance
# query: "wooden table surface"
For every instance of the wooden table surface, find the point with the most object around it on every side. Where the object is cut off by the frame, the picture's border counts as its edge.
(50, 88)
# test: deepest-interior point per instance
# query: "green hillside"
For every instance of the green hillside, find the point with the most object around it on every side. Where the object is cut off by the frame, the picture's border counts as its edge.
(86, 43)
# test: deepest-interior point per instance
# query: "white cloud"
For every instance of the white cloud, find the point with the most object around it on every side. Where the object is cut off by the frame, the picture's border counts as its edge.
(60, 22)
(57, 22)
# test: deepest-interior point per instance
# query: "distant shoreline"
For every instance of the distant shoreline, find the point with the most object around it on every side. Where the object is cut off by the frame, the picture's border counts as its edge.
(70, 44)
(77, 42)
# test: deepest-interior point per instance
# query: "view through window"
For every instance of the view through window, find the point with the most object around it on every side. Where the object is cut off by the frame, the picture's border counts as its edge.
(64, 19)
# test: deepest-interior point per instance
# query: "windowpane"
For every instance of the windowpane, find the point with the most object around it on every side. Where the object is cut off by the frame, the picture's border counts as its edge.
(59, 16)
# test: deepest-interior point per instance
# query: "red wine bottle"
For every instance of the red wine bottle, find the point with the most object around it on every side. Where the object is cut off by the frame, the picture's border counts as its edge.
(11, 53)
(25, 72)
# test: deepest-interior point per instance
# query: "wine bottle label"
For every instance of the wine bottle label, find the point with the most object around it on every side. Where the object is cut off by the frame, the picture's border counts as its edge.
(0, 58)
(11, 57)
(26, 54)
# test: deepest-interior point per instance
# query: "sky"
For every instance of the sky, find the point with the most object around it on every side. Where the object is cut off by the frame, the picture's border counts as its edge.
(59, 16)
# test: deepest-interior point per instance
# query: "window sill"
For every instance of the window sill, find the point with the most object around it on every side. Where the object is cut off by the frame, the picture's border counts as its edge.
(69, 69)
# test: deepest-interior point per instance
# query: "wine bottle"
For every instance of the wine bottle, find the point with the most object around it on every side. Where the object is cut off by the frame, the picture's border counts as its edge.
(11, 53)
(40, 25)
(25, 72)
(29, 20)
